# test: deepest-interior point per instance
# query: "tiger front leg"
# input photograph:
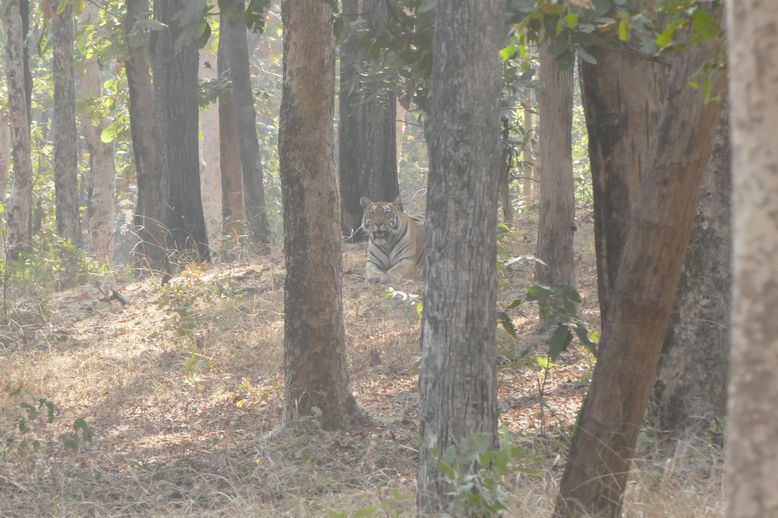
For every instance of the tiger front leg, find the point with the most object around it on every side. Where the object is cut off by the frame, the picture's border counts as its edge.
(373, 274)
(405, 269)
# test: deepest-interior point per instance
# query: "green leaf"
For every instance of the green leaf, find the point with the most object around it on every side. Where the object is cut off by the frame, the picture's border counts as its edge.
(585, 56)
(624, 27)
(560, 340)
(109, 133)
(508, 52)
(704, 24)
(572, 19)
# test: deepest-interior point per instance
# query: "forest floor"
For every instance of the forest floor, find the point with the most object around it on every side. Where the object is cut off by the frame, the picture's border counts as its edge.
(180, 385)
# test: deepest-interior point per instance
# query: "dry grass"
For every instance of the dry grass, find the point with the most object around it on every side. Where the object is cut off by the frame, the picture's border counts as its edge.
(173, 441)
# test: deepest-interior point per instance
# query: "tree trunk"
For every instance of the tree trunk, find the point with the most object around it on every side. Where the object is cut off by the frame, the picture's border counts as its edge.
(556, 227)
(367, 149)
(65, 135)
(234, 30)
(210, 147)
(5, 153)
(24, 12)
(20, 204)
(752, 441)
(176, 92)
(691, 385)
(457, 382)
(528, 171)
(148, 219)
(506, 157)
(101, 160)
(229, 150)
(314, 340)
(399, 132)
(596, 473)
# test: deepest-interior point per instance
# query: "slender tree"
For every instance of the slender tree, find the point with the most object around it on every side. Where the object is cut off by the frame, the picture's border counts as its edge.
(20, 204)
(176, 91)
(314, 340)
(646, 283)
(234, 32)
(556, 227)
(752, 441)
(528, 153)
(5, 153)
(457, 380)
(367, 141)
(210, 153)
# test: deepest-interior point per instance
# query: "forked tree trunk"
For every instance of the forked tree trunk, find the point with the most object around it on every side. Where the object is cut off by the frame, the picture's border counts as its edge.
(691, 386)
(148, 219)
(20, 204)
(457, 382)
(176, 91)
(596, 473)
(65, 136)
(752, 441)
(234, 30)
(314, 340)
(229, 150)
(367, 150)
(210, 173)
(556, 227)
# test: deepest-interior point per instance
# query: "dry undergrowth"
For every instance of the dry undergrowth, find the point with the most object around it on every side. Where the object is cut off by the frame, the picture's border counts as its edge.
(180, 386)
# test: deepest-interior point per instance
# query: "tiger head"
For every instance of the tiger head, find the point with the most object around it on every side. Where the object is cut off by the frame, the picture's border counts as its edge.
(381, 219)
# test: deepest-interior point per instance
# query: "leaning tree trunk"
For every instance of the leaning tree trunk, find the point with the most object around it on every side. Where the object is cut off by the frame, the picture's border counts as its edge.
(20, 203)
(596, 473)
(691, 386)
(65, 136)
(457, 382)
(367, 150)
(314, 340)
(101, 160)
(176, 91)
(229, 150)
(148, 219)
(234, 30)
(210, 147)
(752, 441)
(556, 227)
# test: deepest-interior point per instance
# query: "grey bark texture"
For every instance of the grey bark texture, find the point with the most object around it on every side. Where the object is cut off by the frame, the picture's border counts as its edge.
(234, 30)
(367, 131)
(691, 387)
(176, 91)
(596, 473)
(457, 381)
(20, 203)
(65, 135)
(528, 171)
(752, 440)
(229, 150)
(556, 226)
(152, 249)
(210, 151)
(5, 153)
(314, 340)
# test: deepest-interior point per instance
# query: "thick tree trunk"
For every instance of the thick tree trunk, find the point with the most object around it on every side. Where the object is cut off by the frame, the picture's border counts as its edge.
(210, 147)
(229, 150)
(234, 30)
(691, 385)
(65, 136)
(596, 473)
(556, 227)
(20, 204)
(148, 219)
(752, 441)
(367, 150)
(176, 91)
(101, 160)
(457, 382)
(528, 171)
(314, 340)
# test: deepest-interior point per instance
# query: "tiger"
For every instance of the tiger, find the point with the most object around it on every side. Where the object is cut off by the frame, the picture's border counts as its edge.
(395, 240)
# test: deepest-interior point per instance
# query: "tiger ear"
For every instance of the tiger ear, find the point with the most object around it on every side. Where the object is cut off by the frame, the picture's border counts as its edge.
(365, 202)
(398, 202)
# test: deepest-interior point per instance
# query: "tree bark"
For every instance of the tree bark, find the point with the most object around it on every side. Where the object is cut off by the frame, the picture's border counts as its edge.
(314, 340)
(101, 160)
(506, 157)
(596, 473)
(367, 148)
(5, 153)
(176, 91)
(529, 155)
(65, 135)
(20, 204)
(210, 147)
(556, 227)
(691, 386)
(229, 154)
(148, 219)
(234, 30)
(457, 382)
(752, 441)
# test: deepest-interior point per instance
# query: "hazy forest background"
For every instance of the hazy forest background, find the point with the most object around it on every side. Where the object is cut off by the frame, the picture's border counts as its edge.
(186, 327)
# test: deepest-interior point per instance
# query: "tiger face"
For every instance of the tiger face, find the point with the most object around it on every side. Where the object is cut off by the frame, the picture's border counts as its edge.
(381, 220)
